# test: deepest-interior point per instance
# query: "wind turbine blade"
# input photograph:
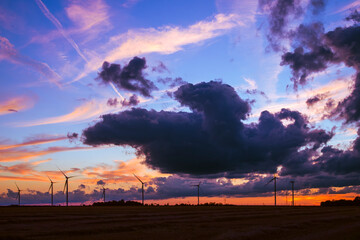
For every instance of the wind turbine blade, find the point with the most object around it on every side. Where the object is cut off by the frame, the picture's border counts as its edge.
(62, 172)
(270, 181)
(138, 178)
(49, 178)
(17, 187)
(66, 182)
(73, 176)
(50, 187)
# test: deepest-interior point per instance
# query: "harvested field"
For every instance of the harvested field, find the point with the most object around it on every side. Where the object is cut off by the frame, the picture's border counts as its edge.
(173, 222)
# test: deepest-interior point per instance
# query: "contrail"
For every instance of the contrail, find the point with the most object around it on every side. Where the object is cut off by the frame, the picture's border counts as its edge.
(58, 25)
(115, 89)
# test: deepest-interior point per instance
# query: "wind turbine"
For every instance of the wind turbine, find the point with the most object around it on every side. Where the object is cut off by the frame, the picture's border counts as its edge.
(66, 186)
(273, 179)
(142, 188)
(52, 190)
(18, 195)
(103, 192)
(292, 189)
(198, 188)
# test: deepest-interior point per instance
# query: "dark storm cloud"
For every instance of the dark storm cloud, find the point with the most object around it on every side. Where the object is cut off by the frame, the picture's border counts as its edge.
(133, 101)
(161, 68)
(349, 108)
(212, 138)
(315, 99)
(281, 12)
(100, 182)
(315, 50)
(354, 16)
(112, 102)
(130, 77)
(72, 136)
(171, 82)
(310, 55)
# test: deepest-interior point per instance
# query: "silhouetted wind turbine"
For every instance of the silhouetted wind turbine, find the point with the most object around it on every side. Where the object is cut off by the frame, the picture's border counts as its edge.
(18, 195)
(142, 188)
(66, 186)
(52, 190)
(273, 179)
(103, 192)
(292, 189)
(198, 188)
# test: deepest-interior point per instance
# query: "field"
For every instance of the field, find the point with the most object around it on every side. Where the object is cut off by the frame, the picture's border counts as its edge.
(176, 222)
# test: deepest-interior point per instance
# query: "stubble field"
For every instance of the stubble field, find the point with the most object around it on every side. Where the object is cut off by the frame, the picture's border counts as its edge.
(176, 222)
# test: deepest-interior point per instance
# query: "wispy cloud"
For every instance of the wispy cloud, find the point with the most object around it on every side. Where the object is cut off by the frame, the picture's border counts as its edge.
(351, 6)
(9, 53)
(164, 40)
(16, 104)
(58, 25)
(22, 168)
(21, 154)
(35, 141)
(335, 90)
(88, 110)
(88, 15)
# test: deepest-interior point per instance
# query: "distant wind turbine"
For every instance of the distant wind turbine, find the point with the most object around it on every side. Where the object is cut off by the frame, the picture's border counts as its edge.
(198, 188)
(18, 195)
(66, 186)
(103, 192)
(142, 188)
(273, 179)
(52, 190)
(292, 189)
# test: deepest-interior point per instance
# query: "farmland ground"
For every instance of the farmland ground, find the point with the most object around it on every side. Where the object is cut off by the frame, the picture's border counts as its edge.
(175, 222)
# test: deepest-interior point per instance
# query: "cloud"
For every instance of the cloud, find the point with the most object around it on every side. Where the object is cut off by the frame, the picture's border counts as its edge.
(164, 40)
(92, 15)
(281, 13)
(315, 99)
(37, 140)
(130, 77)
(25, 168)
(212, 138)
(171, 82)
(27, 154)
(16, 104)
(58, 25)
(88, 110)
(354, 5)
(9, 53)
(160, 68)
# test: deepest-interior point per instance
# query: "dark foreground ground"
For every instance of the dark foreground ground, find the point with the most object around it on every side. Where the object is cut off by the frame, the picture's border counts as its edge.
(190, 222)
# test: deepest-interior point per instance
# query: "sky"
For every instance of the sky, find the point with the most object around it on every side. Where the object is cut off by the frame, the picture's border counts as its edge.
(225, 93)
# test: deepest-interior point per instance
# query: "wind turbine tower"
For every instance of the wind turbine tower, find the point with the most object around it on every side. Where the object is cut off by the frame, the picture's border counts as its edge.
(142, 188)
(66, 186)
(273, 179)
(198, 190)
(103, 192)
(18, 195)
(52, 190)
(292, 189)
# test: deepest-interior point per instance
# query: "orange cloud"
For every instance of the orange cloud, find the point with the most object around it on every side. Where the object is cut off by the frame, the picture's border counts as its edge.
(123, 172)
(37, 141)
(26, 154)
(16, 104)
(88, 110)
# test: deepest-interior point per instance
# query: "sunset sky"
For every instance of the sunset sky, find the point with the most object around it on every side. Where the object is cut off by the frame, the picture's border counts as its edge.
(226, 92)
